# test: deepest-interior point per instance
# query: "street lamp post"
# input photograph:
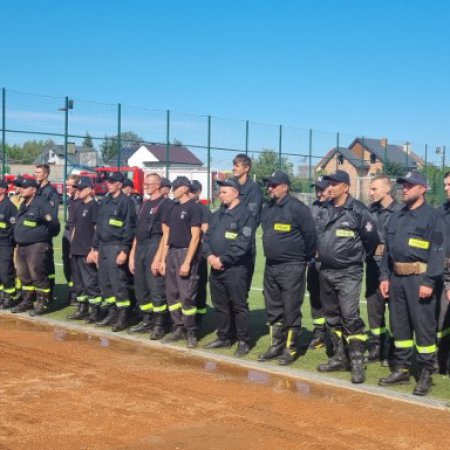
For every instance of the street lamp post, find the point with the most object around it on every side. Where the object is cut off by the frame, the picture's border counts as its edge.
(68, 105)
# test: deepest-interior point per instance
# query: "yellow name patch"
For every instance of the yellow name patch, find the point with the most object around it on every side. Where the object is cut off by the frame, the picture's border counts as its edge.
(2, 224)
(115, 223)
(419, 243)
(29, 223)
(285, 227)
(231, 235)
(345, 233)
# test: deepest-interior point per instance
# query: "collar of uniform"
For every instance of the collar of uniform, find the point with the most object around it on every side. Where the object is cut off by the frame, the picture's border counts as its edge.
(347, 205)
(446, 206)
(377, 206)
(116, 199)
(413, 212)
(283, 201)
(232, 211)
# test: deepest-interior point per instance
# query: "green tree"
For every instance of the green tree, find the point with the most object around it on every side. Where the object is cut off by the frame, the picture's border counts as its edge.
(393, 169)
(28, 151)
(87, 141)
(108, 148)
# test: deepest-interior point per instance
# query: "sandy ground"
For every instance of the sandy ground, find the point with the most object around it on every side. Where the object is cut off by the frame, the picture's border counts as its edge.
(64, 390)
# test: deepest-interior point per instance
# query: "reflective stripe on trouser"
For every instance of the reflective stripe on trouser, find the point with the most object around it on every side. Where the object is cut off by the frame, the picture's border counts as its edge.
(284, 289)
(113, 279)
(181, 290)
(228, 290)
(313, 286)
(32, 264)
(340, 291)
(413, 322)
(150, 290)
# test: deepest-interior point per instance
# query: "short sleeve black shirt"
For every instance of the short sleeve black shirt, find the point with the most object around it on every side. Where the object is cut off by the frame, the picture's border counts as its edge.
(180, 219)
(206, 213)
(85, 218)
(150, 218)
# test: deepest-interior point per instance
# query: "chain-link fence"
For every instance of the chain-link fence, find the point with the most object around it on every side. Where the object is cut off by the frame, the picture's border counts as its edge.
(75, 136)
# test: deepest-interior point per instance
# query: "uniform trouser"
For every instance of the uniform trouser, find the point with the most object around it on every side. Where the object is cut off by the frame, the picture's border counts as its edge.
(181, 292)
(32, 266)
(67, 266)
(7, 275)
(284, 289)
(411, 316)
(150, 290)
(313, 286)
(251, 267)
(51, 264)
(376, 304)
(113, 279)
(229, 296)
(85, 278)
(340, 290)
(202, 282)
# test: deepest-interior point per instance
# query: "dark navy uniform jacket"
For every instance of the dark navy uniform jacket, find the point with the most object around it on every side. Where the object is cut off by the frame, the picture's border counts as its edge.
(8, 213)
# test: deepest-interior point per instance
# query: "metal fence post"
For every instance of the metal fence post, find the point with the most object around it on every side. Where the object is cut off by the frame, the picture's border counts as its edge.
(119, 135)
(426, 158)
(247, 134)
(338, 144)
(280, 147)
(385, 154)
(66, 145)
(362, 170)
(407, 156)
(3, 131)
(310, 145)
(209, 162)
(167, 143)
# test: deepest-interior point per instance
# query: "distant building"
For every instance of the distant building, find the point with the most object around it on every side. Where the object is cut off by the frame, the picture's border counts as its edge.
(77, 156)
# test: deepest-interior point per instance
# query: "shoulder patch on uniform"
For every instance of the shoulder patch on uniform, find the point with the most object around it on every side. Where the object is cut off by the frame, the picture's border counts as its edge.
(12, 220)
(369, 227)
(247, 231)
(48, 217)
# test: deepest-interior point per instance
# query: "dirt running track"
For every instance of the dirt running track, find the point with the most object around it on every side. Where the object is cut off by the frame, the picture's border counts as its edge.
(63, 390)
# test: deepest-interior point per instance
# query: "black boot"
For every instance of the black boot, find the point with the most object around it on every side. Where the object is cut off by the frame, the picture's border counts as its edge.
(339, 361)
(443, 354)
(9, 301)
(81, 312)
(289, 354)
(318, 339)
(144, 326)
(42, 303)
(110, 318)
(26, 303)
(158, 327)
(398, 376)
(277, 344)
(374, 351)
(95, 314)
(357, 367)
(424, 383)
(122, 320)
(191, 339)
(177, 334)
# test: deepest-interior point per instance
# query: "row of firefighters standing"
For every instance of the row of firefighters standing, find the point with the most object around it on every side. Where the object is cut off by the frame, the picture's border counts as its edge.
(167, 245)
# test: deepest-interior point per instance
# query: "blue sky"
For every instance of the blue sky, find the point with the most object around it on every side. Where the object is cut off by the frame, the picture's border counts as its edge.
(374, 68)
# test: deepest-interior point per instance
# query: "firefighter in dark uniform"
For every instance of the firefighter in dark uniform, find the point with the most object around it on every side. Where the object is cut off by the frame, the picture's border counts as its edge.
(8, 213)
(443, 330)
(72, 204)
(228, 248)
(179, 262)
(36, 225)
(312, 277)
(47, 192)
(346, 235)
(116, 223)
(381, 209)
(250, 196)
(128, 190)
(146, 252)
(289, 241)
(411, 271)
(84, 270)
(196, 190)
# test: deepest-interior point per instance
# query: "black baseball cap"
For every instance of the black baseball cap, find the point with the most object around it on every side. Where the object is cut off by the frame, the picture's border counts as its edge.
(83, 184)
(3, 184)
(340, 176)
(320, 183)
(196, 186)
(277, 178)
(181, 181)
(230, 182)
(29, 182)
(18, 181)
(413, 177)
(128, 183)
(115, 177)
(165, 182)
